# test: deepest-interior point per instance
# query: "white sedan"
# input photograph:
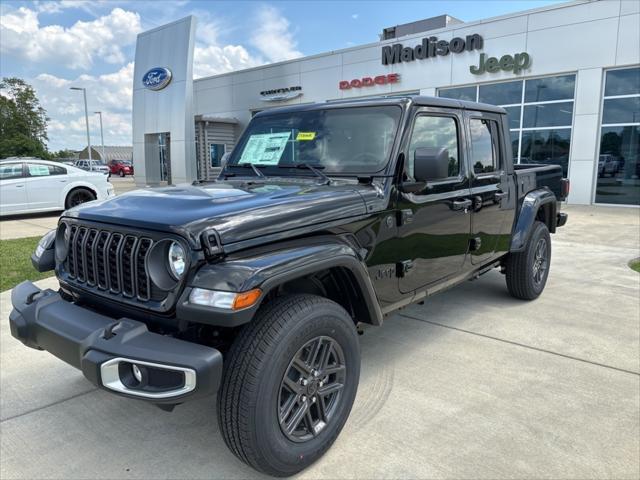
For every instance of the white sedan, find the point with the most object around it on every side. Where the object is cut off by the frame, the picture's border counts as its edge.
(32, 185)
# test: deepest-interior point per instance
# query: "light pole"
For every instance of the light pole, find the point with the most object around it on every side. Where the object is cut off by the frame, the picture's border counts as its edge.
(86, 116)
(104, 159)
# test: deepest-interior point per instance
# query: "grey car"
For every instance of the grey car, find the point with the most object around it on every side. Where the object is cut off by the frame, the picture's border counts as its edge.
(93, 166)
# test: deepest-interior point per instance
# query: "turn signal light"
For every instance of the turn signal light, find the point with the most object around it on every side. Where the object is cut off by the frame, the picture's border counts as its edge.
(246, 299)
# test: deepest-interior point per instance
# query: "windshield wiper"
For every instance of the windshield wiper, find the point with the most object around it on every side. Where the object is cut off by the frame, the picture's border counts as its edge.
(252, 166)
(315, 169)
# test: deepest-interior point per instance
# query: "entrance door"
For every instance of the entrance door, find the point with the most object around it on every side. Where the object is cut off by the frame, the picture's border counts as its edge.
(491, 225)
(436, 223)
(164, 150)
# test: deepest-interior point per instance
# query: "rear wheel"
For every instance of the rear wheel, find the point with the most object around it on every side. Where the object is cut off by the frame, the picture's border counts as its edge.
(121, 172)
(289, 384)
(528, 270)
(78, 196)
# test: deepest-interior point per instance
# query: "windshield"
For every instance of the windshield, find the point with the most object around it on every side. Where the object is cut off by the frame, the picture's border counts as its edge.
(342, 140)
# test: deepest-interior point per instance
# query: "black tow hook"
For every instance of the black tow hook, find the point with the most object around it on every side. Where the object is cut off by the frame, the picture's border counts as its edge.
(108, 332)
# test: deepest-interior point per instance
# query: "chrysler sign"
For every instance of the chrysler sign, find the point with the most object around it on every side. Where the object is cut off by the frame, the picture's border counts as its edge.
(281, 94)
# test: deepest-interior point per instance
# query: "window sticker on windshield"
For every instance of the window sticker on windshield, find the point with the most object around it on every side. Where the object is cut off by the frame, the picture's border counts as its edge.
(265, 148)
(305, 136)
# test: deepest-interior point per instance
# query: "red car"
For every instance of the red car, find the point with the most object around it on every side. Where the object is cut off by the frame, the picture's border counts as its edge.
(120, 167)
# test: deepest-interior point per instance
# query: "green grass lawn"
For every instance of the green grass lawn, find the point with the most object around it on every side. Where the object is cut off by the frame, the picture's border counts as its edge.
(635, 265)
(15, 262)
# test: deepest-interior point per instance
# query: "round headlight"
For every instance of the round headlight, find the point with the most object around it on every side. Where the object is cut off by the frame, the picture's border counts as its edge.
(177, 260)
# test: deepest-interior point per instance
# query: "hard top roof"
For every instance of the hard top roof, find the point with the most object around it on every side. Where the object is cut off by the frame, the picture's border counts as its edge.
(418, 100)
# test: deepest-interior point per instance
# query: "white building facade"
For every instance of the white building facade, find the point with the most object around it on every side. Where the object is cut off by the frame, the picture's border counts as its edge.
(568, 75)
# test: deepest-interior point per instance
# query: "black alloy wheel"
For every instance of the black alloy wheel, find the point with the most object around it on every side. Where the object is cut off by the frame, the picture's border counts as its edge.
(527, 271)
(540, 261)
(311, 389)
(79, 196)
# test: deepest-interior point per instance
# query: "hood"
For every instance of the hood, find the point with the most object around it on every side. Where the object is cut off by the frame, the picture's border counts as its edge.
(236, 210)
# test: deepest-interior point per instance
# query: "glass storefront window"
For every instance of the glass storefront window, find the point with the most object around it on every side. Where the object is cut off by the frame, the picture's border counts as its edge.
(513, 116)
(505, 93)
(550, 147)
(460, 93)
(621, 110)
(618, 168)
(547, 118)
(622, 82)
(548, 115)
(549, 88)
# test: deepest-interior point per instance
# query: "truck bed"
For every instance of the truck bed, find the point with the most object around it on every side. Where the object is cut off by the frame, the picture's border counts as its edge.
(530, 176)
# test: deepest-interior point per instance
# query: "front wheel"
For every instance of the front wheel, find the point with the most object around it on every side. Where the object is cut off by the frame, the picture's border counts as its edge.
(121, 173)
(289, 384)
(528, 270)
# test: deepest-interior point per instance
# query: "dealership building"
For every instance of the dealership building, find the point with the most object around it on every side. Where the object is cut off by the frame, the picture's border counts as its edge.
(568, 76)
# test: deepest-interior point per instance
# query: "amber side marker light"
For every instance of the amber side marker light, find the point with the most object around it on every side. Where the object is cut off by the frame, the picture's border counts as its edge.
(246, 299)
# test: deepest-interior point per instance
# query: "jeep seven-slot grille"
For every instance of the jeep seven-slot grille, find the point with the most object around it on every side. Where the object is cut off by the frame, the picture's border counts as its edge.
(111, 261)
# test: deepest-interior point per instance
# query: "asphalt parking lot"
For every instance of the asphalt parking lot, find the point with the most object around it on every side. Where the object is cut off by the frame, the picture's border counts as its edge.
(32, 225)
(472, 384)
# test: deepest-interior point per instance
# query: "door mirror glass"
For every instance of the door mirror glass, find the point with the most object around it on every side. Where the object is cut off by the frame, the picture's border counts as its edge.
(430, 163)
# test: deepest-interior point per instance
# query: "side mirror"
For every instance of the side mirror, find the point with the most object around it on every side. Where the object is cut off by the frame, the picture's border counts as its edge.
(430, 163)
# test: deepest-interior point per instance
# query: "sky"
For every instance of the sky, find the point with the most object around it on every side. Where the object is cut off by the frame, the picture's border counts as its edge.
(55, 45)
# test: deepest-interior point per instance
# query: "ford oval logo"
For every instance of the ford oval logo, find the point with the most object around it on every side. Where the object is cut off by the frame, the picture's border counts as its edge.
(157, 78)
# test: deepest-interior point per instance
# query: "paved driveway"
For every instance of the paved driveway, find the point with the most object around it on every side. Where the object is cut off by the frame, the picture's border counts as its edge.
(473, 384)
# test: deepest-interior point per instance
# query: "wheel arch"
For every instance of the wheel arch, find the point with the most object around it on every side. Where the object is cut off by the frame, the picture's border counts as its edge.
(538, 205)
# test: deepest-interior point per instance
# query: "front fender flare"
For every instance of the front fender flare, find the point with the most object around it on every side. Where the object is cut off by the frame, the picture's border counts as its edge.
(269, 269)
(527, 216)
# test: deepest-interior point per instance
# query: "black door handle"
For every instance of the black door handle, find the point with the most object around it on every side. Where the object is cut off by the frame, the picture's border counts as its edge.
(461, 204)
(500, 195)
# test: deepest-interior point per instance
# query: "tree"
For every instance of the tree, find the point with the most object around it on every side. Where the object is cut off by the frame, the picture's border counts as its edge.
(23, 121)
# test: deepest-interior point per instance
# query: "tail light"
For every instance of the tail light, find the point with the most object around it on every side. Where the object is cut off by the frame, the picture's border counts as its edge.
(565, 187)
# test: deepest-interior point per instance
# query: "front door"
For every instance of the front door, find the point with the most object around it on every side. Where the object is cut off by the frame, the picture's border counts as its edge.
(435, 223)
(491, 226)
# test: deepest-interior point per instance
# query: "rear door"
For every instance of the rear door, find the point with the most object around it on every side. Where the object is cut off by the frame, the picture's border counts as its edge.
(13, 193)
(45, 184)
(434, 223)
(492, 211)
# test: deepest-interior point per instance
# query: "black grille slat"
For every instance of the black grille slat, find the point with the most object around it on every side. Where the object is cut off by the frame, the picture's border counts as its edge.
(71, 258)
(100, 248)
(113, 262)
(128, 266)
(140, 269)
(80, 254)
(89, 247)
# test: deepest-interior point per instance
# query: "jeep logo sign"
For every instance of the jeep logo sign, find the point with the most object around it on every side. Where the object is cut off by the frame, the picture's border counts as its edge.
(157, 78)
(509, 63)
(429, 48)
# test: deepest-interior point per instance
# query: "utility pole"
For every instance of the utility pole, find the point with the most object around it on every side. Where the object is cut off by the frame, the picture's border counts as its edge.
(86, 116)
(104, 159)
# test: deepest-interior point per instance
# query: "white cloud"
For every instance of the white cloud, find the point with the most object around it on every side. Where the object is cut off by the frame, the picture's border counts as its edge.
(272, 36)
(110, 93)
(355, 16)
(214, 59)
(75, 47)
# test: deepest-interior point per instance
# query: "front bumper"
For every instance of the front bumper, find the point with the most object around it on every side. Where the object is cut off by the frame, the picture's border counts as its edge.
(105, 349)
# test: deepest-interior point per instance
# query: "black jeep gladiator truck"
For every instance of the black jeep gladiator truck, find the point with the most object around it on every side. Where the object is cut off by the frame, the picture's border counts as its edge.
(324, 217)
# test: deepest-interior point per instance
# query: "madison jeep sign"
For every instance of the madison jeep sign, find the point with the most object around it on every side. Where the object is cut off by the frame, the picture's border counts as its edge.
(430, 47)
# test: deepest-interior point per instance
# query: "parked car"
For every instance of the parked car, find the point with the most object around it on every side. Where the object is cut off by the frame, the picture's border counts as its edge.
(253, 285)
(32, 185)
(93, 166)
(121, 167)
(609, 164)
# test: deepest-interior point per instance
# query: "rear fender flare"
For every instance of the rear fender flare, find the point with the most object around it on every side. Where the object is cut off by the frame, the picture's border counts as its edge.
(527, 215)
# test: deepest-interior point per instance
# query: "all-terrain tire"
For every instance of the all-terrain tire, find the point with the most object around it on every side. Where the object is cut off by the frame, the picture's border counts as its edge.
(257, 369)
(527, 271)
